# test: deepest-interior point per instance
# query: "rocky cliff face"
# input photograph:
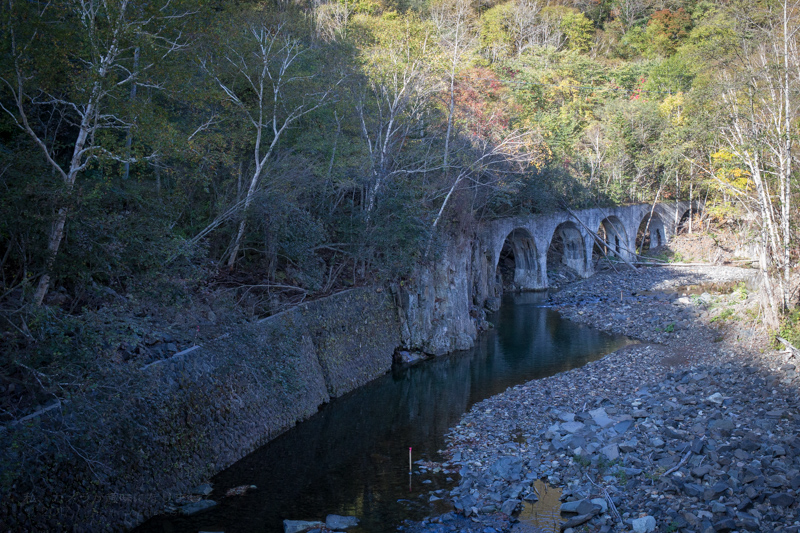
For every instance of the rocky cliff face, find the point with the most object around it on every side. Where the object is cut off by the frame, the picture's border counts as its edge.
(434, 308)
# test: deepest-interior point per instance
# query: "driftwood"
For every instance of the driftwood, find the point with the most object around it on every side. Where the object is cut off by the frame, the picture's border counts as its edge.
(43, 410)
(662, 263)
(789, 345)
(677, 466)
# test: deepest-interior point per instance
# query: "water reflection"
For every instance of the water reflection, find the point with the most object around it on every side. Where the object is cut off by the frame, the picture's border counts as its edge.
(351, 458)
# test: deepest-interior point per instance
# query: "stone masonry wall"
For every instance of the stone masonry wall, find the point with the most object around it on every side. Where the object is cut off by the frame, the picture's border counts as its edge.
(115, 454)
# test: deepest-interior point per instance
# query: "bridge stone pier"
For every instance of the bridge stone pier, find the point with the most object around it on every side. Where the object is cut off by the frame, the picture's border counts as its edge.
(435, 312)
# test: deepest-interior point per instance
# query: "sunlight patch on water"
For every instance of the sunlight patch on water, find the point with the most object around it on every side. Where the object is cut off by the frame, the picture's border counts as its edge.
(543, 516)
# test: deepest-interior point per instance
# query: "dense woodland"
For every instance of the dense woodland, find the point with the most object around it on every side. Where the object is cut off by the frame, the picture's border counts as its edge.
(273, 151)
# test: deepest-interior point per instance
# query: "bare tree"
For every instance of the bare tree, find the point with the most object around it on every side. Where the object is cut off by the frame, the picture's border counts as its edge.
(105, 65)
(514, 153)
(762, 105)
(454, 21)
(330, 19)
(595, 147)
(529, 29)
(393, 103)
(631, 12)
(256, 72)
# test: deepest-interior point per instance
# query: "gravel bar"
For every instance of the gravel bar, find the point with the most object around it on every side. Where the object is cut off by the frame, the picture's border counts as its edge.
(694, 429)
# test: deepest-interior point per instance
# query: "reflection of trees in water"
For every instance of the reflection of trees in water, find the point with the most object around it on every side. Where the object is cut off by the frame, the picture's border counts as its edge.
(352, 456)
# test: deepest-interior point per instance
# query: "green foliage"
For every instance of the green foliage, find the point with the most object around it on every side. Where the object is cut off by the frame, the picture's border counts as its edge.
(495, 34)
(672, 75)
(582, 460)
(790, 328)
(724, 315)
(342, 199)
(578, 29)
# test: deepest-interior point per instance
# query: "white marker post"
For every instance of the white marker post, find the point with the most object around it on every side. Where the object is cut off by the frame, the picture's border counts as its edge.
(409, 469)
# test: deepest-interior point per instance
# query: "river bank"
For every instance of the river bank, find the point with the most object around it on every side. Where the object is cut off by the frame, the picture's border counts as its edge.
(694, 429)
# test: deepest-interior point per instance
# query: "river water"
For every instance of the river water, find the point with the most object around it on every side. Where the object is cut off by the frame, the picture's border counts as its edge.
(351, 458)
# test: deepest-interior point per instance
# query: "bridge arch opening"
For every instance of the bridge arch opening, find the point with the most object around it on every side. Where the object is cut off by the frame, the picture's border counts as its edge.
(651, 234)
(518, 263)
(612, 231)
(690, 221)
(566, 251)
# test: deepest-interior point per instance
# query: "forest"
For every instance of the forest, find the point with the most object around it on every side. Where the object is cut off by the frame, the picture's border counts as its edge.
(157, 155)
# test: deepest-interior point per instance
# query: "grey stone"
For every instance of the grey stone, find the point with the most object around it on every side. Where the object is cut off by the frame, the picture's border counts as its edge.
(335, 521)
(719, 487)
(196, 507)
(601, 418)
(645, 524)
(602, 503)
(203, 490)
(610, 452)
(509, 506)
(716, 398)
(299, 526)
(623, 426)
(781, 499)
(587, 507)
(571, 507)
(697, 446)
(572, 427)
(726, 524)
(717, 507)
(576, 521)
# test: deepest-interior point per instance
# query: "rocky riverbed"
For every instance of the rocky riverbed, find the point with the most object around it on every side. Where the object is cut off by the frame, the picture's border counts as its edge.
(695, 429)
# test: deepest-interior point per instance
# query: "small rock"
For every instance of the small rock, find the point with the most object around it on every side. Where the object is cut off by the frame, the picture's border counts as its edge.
(601, 418)
(602, 503)
(509, 507)
(576, 521)
(781, 500)
(196, 507)
(572, 427)
(726, 524)
(203, 490)
(610, 452)
(646, 524)
(716, 398)
(571, 507)
(300, 526)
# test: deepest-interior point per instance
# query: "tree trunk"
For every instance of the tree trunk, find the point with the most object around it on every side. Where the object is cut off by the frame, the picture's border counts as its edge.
(53, 243)
(237, 242)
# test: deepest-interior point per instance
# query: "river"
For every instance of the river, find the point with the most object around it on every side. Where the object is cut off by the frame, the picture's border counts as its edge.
(351, 458)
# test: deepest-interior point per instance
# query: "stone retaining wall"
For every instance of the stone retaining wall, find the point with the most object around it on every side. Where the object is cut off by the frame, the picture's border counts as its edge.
(115, 454)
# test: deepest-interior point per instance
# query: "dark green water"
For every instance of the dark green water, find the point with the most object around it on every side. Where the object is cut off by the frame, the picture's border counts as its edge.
(351, 458)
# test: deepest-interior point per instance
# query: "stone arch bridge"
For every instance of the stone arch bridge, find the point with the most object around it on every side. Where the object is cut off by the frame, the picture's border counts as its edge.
(530, 238)
(436, 310)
